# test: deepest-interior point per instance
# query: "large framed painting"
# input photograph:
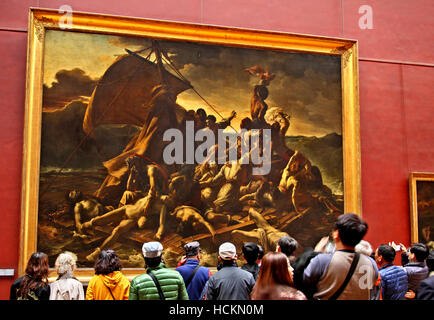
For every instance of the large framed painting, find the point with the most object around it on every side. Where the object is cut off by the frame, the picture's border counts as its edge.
(142, 130)
(422, 207)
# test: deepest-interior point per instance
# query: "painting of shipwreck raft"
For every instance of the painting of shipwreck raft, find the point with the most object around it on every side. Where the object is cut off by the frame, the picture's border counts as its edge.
(105, 181)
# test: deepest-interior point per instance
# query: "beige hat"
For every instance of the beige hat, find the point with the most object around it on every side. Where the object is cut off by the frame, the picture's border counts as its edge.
(227, 251)
(152, 249)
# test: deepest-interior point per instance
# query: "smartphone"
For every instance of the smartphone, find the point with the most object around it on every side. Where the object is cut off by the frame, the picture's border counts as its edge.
(330, 247)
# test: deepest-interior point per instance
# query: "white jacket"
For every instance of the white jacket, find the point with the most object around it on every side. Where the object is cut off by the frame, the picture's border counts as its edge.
(66, 289)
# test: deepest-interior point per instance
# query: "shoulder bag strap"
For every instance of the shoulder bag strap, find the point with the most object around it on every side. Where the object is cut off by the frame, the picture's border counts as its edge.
(191, 276)
(347, 279)
(110, 292)
(157, 284)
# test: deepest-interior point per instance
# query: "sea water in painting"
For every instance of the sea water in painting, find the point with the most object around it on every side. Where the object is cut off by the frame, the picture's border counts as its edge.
(143, 140)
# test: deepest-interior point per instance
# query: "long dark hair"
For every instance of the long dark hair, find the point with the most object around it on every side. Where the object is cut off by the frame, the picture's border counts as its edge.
(107, 262)
(274, 272)
(36, 273)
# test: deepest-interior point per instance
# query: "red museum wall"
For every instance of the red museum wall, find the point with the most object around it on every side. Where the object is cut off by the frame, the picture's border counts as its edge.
(396, 90)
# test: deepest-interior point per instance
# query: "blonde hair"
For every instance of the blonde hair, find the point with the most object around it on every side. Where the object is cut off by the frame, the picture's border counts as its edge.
(364, 247)
(66, 263)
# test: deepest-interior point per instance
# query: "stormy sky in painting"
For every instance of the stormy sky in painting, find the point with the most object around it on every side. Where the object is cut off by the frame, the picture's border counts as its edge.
(306, 86)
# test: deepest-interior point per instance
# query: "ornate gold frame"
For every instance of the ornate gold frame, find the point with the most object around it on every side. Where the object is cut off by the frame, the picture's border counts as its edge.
(412, 183)
(43, 19)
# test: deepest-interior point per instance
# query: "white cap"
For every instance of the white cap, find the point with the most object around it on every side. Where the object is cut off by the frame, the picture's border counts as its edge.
(227, 251)
(152, 249)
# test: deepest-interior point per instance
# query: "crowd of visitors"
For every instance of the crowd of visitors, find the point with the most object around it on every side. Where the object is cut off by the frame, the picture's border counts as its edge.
(342, 266)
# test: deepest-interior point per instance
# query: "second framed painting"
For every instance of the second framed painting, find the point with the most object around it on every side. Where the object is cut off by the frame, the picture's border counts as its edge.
(142, 130)
(422, 207)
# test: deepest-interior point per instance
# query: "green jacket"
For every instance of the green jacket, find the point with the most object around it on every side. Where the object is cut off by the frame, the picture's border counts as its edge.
(171, 283)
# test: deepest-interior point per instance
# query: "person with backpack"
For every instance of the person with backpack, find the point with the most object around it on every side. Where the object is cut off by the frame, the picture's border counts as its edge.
(159, 282)
(344, 274)
(108, 283)
(195, 276)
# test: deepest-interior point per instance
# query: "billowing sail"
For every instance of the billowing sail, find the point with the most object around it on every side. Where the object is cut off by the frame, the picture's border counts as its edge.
(139, 92)
(123, 94)
(163, 115)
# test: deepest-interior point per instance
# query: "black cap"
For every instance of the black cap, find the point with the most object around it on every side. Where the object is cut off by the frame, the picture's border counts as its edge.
(250, 251)
(192, 249)
(250, 245)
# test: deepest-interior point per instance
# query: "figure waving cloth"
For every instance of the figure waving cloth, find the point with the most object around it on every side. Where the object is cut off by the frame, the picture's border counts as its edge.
(258, 106)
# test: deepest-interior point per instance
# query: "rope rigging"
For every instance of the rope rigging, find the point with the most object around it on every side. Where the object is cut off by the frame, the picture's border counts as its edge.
(160, 56)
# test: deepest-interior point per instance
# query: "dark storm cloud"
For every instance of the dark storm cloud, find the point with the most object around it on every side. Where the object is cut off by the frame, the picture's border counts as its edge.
(65, 144)
(69, 85)
(233, 58)
(315, 98)
(127, 42)
(307, 86)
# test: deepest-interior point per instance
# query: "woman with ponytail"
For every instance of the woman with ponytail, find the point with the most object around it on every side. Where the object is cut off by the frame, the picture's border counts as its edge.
(66, 287)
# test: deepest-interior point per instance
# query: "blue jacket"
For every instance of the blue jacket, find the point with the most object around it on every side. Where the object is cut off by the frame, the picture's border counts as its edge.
(194, 289)
(394, 282)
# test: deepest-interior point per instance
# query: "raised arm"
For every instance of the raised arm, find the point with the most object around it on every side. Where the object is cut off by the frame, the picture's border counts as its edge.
(285, 126)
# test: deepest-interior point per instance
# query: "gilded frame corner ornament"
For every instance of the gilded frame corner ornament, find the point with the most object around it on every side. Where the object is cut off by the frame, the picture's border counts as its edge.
(41, 20)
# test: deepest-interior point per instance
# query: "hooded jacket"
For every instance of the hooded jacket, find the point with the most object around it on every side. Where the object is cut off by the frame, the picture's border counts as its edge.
(99, 285)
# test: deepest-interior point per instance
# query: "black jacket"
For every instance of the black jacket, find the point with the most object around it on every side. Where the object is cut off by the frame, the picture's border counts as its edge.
(253, 269)
(299, 265)
(230, 283)
(426, 289)
(41, 293)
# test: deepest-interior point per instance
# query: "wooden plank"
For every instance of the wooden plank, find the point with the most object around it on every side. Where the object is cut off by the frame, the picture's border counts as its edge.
(289, 216)
(139, 237)
(221, 230)
(285, 224)
(175, 241)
